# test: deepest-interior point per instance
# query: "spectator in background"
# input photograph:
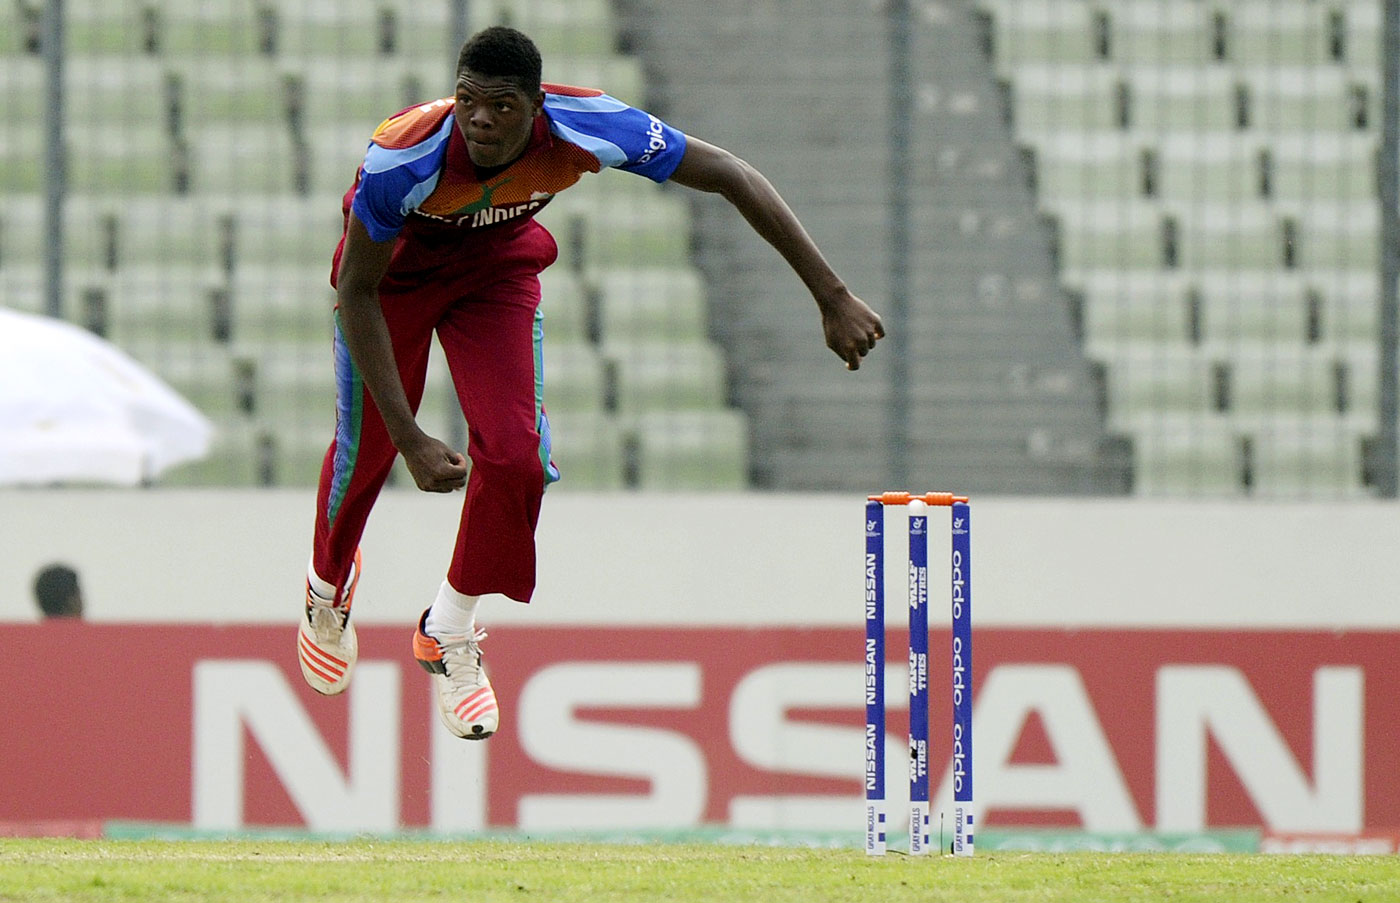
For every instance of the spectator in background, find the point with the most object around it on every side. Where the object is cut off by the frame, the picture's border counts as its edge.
(57, 592)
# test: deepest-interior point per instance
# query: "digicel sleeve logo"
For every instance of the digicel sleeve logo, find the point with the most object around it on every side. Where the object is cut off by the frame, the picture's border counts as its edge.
(656, 140)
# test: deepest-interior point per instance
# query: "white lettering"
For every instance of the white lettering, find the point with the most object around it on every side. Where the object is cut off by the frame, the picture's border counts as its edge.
(1196, 701)
(458, 776)
(872, 586)
(234, 697)
(959, 671)
(959, 582)
(763, 737)
(552, 735)
(656, 140)
(871, 667)
(1085, 777)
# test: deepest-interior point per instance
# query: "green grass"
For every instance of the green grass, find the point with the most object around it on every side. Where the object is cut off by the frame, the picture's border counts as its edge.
(262, 870)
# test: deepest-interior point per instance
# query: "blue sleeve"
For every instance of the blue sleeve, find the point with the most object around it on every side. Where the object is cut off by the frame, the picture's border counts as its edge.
(395, 180)
(379, 203)
(620, 136)
(655, 150)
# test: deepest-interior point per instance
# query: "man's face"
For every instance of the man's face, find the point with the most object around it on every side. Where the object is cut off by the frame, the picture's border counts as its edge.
(495, 117)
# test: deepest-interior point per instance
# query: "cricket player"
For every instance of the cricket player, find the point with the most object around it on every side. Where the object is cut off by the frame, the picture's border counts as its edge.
(440, 237)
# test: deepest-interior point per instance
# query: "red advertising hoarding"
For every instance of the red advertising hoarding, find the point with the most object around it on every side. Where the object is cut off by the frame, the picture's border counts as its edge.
(618, 727)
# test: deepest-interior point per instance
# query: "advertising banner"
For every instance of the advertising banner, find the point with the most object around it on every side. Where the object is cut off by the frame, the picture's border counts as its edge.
(612, 728)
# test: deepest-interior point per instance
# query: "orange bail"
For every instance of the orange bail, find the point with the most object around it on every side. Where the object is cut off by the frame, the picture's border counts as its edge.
(943, 499)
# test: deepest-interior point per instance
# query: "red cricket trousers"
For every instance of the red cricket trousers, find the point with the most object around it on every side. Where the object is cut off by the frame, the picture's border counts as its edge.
(480, 292)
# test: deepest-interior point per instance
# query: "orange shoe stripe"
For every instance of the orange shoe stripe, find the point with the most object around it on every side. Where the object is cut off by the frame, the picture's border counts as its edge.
(327, 677)
(323, 655)
(313, 655)
(476, 715)
(481, 698)
(319, 671)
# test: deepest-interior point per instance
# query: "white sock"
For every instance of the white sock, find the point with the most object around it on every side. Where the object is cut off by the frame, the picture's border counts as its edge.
(452, 613)
(324, 588)
(318, 586)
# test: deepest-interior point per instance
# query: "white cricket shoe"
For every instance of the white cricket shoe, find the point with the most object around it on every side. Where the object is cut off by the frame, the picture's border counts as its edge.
(326, 644)
(464, 695)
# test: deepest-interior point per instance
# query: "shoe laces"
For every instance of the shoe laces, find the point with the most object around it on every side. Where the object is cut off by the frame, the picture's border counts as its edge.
(326, 618)
(462, 658)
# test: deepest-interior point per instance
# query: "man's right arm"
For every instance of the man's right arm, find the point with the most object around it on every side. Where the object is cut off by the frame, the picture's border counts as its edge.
(363, 263)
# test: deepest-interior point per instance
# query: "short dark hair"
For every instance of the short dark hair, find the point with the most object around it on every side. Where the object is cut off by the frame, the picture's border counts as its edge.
(56, 591)
(501, 52)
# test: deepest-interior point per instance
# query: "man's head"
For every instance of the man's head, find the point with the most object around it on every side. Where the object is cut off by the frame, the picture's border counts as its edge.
(498, 94)
(56, 591)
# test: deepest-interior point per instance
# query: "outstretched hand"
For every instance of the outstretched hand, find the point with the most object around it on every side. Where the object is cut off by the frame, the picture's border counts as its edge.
(435, 466)
(851, 328)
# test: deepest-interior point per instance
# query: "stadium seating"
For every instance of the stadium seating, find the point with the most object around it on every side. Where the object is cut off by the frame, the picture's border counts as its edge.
(210, 146)
(1210, 171)
(1184, 33)
(686, 450)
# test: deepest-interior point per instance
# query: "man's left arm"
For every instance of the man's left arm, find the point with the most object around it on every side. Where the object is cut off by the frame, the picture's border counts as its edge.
(850, 326)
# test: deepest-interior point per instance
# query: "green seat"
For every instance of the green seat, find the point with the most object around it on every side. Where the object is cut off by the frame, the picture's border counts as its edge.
(565, 306)
(560, 29)
(21, 288)
(211, 376)
(1076, 166)
(619, 76)
(1039, 32)
(1263, 32)
(650, 304)
(1256, 32)
(283, 229)
(248, 453)
(1254, 306)
(618, 234)
(587, 449)
(1189, 456)
(105, 160)
(151, 301)
(662, 376)
(1133, 234)
(1051, 99)
(574, 377)
(141, 230)
(1219, 166)
(17, 28)
(691, 450)
(1134, 306)
(94, 27)
(528, 14)
(291, 30)
(1350, 306)
(1146, 381)
(1307, 458)
(281, 303)
(1109, 235)
(1272, 380)
(1320, 307)
(23, 80)
(357, 98)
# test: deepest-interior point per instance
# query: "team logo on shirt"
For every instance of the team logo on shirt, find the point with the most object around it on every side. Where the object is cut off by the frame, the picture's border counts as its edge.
(480, 212)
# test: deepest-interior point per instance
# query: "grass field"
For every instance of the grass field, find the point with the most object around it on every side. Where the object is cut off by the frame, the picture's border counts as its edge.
(257, 870)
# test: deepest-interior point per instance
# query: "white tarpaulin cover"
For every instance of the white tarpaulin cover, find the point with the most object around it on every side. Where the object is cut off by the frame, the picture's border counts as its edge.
(76, 409)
